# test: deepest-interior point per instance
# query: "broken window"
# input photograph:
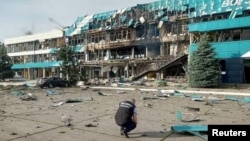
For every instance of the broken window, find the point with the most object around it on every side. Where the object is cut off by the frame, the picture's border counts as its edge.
(236, 35)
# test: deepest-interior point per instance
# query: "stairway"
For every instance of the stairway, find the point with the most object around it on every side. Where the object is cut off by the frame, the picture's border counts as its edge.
(155, 65)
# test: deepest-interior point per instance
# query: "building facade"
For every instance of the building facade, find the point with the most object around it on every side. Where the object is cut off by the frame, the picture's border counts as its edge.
(227, 22)
(33, 56)
(151, 40)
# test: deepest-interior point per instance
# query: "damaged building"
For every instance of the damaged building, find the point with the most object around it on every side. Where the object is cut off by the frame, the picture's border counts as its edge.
(151, 41)
(144, 41)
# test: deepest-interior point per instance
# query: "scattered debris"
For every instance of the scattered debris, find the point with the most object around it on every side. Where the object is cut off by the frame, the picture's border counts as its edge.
(8, 87)
(177, 93)
(91, 125)
(80, 83)
(13, 133)
(161, 94)
(148, 98)
(180, 117)
(95, 120)
(17, 93)
(102, 94)
(84, 87)
(53, 92)
(2, 111)
(232, 98)
(66, 119)
(210, 100)
(197, 130)
(196, 97)
(58, 104)
(148, 105)
(73, 100)
(192, 109)
(62, 132)
(28, 97)
(141, 92)
(29, 84)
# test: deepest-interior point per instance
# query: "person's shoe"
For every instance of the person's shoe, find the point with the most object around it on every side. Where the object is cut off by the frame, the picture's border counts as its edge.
(122, 132)
(126, 134)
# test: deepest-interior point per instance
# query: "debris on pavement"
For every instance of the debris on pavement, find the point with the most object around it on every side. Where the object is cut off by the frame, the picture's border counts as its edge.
(161, 94)
(148, 105)
(179, 116)
(210, 100)
(91, 125)
(76, 100)
(177, 93)
(17, 93)
(84, 87)
(53, 92)
(197, 130)
(58, 104)
(28, 97)
(102, 94)
(192, 108)
(66, 119)
(196, 97)
(8, 87)
(148, 98)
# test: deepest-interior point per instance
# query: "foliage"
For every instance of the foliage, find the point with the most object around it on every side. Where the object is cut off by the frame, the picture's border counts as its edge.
(204, 68)
(69, 64)
(5, 64)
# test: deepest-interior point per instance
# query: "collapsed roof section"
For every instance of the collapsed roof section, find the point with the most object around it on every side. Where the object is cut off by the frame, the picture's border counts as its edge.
(129, 17)
(159, 11)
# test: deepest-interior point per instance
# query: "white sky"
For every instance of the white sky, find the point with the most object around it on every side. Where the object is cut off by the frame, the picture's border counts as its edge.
(20, 16)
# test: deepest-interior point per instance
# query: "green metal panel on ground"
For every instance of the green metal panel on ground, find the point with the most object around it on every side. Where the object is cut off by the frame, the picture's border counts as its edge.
(220, 25)
(234, 49)
(184, 128)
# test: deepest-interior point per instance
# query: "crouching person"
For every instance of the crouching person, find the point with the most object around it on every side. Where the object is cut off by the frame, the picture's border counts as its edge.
(126, 116)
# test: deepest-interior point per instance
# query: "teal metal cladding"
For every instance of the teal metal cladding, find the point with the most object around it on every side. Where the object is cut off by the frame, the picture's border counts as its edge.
(36, 65)
(234, 49)
(220, 24)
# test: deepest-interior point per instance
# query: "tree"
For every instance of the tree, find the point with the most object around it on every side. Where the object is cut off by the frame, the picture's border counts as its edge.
(5, 64)
(204, 69)
(69, 63)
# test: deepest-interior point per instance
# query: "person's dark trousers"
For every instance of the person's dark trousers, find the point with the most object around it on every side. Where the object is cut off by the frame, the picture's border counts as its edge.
(129, 126)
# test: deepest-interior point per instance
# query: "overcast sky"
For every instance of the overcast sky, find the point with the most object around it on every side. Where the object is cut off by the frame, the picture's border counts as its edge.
(18, 17)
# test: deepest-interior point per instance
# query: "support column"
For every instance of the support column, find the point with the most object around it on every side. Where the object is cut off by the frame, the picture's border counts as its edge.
(86, 56)
(162, 50)
(133, 70)
(60, 73)
(101, 73)
(133, 53)
(44, 72)
(108, 75)
(159, 75)
(147, 52)
(90, 73)
(28, 73)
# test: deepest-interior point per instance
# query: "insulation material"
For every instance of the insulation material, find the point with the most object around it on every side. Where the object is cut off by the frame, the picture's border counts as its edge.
(115, 69)
(160, 24)
(142, 20)
(106, 69)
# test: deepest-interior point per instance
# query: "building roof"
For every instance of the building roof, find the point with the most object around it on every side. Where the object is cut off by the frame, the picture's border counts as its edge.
(55, 33)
